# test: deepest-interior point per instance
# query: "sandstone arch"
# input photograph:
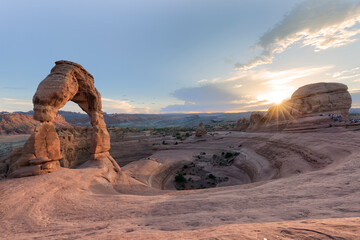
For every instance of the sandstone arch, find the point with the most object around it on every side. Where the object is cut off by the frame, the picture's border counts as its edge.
(67, 81)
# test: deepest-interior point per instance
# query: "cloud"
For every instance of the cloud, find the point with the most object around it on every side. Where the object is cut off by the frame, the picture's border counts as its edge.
(12, 105)
(206, 108)
(351, 74)
(209, 94)
(121, 106)
(244, 90)
(321, 24)
(109, 105)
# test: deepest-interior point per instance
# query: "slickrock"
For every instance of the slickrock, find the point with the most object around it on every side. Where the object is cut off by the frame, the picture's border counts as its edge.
(200, 131)
(67, 81)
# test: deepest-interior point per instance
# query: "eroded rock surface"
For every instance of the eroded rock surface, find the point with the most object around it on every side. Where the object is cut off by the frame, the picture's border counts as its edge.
(320, 98)
(67, 81)
(311, 104)
(200, 131)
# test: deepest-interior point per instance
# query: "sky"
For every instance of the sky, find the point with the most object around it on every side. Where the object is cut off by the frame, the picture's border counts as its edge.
(181, 56)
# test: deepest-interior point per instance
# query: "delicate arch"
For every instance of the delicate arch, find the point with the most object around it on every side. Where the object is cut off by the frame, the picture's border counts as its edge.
(67, 81)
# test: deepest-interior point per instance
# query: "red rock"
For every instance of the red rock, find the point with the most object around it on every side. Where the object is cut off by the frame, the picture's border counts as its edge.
(67, 81)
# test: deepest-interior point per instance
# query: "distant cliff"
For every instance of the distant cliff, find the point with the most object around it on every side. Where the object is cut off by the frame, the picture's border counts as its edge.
(20, 123)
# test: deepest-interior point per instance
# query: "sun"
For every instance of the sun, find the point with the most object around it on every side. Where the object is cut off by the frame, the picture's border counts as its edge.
(275, 97)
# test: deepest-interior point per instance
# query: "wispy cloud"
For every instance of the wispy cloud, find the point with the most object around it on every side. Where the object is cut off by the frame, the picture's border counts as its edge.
(350, 74)
(12, 104)
(109, 105)
(121, 106)
(321, 24)
(17, 101)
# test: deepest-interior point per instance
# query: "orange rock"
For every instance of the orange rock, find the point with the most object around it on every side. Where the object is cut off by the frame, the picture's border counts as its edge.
(67, 81)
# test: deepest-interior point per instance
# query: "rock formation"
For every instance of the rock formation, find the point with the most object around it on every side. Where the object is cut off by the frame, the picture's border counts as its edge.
(200, 131)
(306, 105)
(242, 124)
(320, 97)
(256, 119)
(67, 81)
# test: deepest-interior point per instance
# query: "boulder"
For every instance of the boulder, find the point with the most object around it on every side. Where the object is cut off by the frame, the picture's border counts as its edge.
(320, 97)
(312, 104)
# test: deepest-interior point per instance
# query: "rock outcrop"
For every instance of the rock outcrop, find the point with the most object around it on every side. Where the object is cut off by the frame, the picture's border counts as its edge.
(200, 131)
(67, 81)
(310, 104)
(312, 99)
(242, 124)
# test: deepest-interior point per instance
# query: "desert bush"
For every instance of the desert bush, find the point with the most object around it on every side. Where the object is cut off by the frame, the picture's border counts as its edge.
(179, 178)
(211, 176)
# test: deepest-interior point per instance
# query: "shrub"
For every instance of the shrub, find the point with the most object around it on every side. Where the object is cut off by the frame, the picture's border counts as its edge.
(211, 176)
(229, 155)
(179, 178)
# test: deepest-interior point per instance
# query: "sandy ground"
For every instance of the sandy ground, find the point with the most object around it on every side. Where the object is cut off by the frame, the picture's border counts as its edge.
(305, 186)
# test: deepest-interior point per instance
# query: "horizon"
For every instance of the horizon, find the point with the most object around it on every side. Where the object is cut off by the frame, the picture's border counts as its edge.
(106, 113)
(181, 57)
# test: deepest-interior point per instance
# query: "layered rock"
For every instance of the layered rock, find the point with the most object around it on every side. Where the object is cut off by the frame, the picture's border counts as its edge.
(67, 81)
(41, 153)
(200, 131)
(320, 97)
(308, 105)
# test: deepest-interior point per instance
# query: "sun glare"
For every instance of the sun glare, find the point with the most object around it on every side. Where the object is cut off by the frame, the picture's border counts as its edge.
(276, 97)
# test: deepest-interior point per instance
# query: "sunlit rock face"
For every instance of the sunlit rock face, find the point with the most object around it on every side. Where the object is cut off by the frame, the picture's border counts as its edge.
(312, 100)
(67, 81)
(320, 98)
(310, 104)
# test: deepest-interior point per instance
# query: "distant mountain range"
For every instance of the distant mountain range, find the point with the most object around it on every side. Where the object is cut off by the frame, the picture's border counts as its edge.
(22, 122)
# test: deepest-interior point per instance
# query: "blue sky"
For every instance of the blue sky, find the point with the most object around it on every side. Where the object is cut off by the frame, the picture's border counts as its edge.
(181, 56)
